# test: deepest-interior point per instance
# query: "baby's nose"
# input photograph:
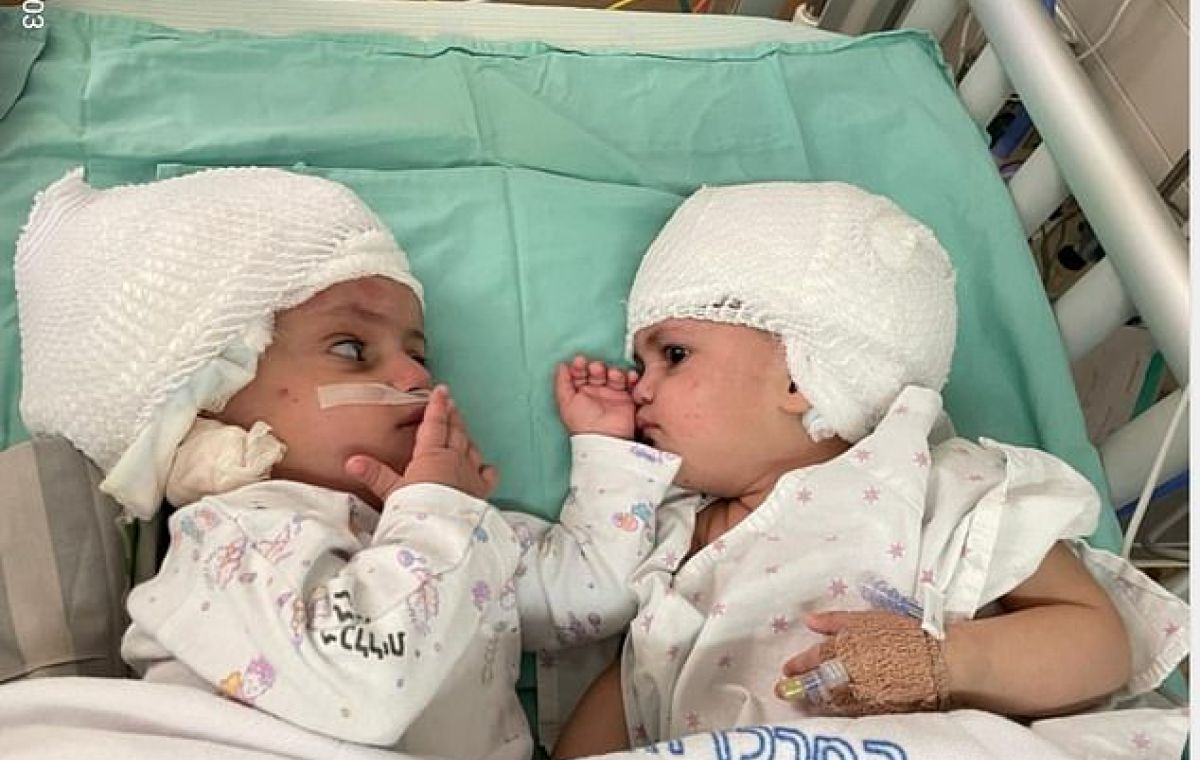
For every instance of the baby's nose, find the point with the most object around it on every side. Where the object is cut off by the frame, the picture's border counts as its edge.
(643, 391)
(407, 374)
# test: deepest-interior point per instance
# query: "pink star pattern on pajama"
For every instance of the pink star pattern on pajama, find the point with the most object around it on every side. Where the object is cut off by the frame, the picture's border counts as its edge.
(953, 524)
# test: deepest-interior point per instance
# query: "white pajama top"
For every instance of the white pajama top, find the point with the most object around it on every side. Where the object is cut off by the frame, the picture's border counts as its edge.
(401, 628)
(953, 527)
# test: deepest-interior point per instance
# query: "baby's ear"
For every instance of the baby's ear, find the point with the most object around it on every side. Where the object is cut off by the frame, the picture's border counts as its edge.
(794, 402)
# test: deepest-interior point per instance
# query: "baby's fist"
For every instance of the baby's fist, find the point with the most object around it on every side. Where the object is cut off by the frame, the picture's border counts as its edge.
(595, 398)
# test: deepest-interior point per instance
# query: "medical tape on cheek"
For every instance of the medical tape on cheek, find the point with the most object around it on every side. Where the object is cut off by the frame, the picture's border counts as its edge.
(367, 394)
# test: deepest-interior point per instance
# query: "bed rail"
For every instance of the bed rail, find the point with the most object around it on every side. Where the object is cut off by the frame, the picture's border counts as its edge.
(1145, 271)
(1143, 241)
(1147, 250)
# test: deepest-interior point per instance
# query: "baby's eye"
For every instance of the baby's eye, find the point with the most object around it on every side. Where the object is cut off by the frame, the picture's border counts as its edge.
(350, 348)
(674, 354)
(419, 359)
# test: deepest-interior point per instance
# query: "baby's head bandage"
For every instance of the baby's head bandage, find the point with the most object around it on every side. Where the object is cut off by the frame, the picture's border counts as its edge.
(367, 394)
(860, 293)
(216, 458)
(142, 305)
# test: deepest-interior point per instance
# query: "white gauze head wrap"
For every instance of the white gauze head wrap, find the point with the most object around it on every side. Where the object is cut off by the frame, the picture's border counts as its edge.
(142, 305)
(860, 293)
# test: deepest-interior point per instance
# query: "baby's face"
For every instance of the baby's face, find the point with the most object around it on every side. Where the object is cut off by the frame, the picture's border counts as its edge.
(718, 395)
(360, 331)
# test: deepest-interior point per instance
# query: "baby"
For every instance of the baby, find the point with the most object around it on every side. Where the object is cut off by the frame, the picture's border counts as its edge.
(250, 342)
(791, 341)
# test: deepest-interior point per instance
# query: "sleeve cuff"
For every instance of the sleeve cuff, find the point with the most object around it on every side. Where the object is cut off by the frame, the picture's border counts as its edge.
(589, 448)
(434, 497)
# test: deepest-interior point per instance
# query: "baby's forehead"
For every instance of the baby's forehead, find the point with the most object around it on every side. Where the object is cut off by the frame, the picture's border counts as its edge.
(685, 328)
(364, 289)
(372, 299)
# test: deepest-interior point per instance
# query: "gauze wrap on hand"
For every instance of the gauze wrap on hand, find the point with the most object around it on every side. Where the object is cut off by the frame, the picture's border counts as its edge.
(216, 458)
(893, 666)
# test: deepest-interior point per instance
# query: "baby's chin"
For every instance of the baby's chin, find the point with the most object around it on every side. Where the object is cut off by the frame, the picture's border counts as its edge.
(361, 491)
(701, 484)
(331, 473)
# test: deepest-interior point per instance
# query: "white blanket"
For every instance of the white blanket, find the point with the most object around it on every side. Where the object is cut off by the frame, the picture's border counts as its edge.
(110, 719)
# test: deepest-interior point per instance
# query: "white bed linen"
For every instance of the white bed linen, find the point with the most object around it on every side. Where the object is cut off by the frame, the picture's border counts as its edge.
(574, 28)
(114, 719)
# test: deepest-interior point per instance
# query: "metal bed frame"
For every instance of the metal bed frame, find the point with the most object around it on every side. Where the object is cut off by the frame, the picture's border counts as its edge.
(1145, 272)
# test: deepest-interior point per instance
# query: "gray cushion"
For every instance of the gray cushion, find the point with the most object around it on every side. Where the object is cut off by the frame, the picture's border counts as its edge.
(64, 565)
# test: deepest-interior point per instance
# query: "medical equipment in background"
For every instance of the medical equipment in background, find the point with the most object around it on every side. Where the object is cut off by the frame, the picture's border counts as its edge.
(853, 16)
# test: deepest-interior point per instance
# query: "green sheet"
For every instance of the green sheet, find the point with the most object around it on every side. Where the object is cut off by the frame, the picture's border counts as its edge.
(526, 181)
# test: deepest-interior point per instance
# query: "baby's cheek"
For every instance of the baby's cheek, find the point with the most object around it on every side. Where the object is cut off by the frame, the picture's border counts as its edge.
(289, 396)
(686, 478)
(402, 449)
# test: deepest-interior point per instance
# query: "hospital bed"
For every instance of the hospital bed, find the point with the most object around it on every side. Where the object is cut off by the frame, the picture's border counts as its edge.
(526, 156)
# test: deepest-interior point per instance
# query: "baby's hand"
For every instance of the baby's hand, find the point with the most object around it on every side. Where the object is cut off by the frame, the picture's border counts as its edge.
(595, 398)
(882, 663)
(442, 453)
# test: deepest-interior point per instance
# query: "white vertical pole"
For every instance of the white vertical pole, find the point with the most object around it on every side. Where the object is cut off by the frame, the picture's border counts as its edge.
(935, 16)
(1038, 188)
(1092, 309)
(984, 87)
(1128, 454)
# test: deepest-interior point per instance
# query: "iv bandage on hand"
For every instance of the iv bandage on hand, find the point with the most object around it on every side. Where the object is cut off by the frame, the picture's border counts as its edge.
(876, 663)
